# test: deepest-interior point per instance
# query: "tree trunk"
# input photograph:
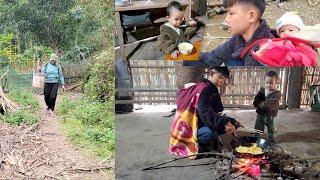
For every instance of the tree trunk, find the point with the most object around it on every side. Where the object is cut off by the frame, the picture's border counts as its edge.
(296, 80)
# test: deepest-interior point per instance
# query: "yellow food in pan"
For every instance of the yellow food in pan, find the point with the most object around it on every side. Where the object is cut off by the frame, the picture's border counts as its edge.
(254, 149)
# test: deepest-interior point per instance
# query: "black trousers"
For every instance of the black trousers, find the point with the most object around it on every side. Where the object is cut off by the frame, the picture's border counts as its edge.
(50, 94)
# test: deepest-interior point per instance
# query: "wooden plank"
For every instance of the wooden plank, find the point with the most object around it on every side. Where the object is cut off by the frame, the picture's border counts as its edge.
(156, 95)
(165, 101)
(173, 102)
(154, 4)
(151, 66)
(212, 3)
(223, 96)
(137, 42)
(119, 31)
(160, 20)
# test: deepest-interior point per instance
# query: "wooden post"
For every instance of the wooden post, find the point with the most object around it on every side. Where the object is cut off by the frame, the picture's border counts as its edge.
(120, 35)
(123, 80)
(199, 8)
(295, 83)
(285, 87)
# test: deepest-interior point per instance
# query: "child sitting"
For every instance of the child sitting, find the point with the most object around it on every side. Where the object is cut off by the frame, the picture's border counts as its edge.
(289, 24)
(267, 105)
(175, 31)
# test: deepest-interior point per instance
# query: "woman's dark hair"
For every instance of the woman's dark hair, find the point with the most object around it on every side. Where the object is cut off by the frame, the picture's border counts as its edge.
(224, 71)
(173, 5)
(259, 4)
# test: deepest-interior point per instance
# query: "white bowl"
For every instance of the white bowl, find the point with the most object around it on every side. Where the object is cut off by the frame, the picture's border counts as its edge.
(185, 48)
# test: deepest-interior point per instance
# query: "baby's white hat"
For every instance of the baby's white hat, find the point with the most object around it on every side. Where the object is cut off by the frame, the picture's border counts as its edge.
(289, 18)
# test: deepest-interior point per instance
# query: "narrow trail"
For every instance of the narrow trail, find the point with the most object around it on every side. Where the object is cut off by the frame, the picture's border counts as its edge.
(42, 151)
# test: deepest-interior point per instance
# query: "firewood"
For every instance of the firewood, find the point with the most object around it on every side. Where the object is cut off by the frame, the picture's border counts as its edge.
(93, 168)
(179, 158)
(75, 86)
(6, 104)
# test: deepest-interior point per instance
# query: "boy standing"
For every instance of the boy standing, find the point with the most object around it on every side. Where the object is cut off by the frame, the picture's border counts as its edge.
(172, 33)
(245, 23)
(267, 105)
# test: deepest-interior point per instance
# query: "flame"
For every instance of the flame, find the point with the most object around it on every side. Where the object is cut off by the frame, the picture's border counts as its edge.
(250, 166)
(254, 171)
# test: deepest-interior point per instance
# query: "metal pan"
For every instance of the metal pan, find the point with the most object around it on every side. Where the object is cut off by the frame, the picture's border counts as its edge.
(248, 140)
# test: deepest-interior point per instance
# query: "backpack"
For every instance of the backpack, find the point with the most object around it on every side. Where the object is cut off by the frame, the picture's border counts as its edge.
(58, 66)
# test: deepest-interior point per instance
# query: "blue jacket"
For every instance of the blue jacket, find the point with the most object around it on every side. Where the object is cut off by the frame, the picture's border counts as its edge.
(53, 73)
(229, 52)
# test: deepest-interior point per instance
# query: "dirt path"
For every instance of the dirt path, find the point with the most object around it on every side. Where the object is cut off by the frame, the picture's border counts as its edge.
(43, 152)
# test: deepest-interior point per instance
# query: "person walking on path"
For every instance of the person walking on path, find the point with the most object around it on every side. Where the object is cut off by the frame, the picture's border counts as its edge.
(53, 78)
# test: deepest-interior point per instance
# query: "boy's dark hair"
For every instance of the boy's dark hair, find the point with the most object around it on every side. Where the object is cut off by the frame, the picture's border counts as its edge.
(173, 5)
(224, 71)
(272, 74)
(259, 4)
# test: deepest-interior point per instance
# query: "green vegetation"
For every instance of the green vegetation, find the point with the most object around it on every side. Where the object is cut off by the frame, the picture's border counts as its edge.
(28, 108)
(82, 32)
(89, 125)
(100, 79)
(33, 29)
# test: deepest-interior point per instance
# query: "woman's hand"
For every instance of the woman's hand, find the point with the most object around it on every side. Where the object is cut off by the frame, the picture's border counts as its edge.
(192, 22)
(230, 128)
(63, 88)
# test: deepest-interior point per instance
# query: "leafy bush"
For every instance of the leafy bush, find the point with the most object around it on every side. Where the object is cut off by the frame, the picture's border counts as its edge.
(90, 125)
(100, 79)
(29, 105)
(21, 117)
(25, 98)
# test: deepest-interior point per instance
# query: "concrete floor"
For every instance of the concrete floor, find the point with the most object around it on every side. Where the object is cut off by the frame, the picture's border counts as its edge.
(142, 140)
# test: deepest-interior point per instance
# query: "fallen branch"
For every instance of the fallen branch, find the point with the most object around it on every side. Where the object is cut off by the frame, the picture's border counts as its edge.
(93, 168)
(176, 159)
(75, 86)
(181, 166)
